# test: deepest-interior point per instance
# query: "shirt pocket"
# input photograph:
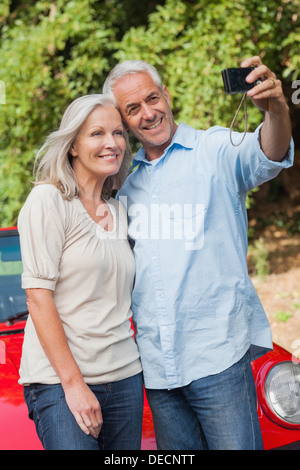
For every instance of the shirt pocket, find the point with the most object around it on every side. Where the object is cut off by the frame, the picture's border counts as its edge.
(184, 207)
(180, 192)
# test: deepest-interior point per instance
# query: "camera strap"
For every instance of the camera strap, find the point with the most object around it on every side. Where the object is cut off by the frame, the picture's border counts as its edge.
(243, 100)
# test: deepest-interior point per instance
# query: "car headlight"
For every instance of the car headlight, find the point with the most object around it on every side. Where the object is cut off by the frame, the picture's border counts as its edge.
(282, 389)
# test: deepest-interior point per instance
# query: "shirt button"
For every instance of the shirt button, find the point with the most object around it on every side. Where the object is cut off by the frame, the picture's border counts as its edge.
(163, 328)
(154, 196)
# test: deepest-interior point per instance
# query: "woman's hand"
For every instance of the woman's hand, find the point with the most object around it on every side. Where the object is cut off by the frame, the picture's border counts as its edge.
(85, 407)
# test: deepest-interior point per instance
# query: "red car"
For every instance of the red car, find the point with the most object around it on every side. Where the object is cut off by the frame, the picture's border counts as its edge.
(277, 374)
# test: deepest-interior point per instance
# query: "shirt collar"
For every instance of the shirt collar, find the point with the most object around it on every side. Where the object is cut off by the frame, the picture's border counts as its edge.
(184, 137)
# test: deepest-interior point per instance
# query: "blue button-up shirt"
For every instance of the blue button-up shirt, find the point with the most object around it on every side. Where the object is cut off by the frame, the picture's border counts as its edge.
(194, 306)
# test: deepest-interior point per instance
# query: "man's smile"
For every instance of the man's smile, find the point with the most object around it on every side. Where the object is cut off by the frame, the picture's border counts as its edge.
(154, 126)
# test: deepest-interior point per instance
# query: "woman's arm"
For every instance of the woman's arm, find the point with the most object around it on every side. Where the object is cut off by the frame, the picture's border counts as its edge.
(80, 399)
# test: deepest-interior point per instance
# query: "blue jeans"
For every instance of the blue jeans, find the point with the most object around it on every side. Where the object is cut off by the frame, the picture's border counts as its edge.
(122, 411)
(218, 412)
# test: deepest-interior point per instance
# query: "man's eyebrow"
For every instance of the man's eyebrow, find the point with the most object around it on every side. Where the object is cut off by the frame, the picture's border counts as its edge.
(129, 105)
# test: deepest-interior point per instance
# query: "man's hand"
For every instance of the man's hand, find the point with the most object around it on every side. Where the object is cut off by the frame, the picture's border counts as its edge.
(268, 95)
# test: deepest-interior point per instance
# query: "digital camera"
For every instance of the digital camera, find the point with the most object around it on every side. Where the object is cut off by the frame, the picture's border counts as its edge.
(234, 80)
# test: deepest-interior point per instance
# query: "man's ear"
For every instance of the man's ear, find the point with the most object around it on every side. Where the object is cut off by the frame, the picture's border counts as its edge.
(167, 95)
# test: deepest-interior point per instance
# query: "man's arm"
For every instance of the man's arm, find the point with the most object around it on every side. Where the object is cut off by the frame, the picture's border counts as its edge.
(268, 96)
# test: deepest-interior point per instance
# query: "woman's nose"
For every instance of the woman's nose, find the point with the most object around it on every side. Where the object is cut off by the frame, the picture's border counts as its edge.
(110, 141)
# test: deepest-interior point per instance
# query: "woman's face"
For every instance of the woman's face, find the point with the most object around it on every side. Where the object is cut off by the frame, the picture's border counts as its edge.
(100, 145)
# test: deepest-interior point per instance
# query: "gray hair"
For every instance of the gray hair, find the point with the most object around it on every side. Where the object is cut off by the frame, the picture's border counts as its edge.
(129, 67)
(53, 162)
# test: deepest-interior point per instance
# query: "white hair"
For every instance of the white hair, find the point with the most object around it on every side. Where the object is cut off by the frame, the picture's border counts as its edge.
(129, 67)
(53, 162)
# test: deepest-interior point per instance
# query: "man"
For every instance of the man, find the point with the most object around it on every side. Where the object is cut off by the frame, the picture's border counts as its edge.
(199, 320)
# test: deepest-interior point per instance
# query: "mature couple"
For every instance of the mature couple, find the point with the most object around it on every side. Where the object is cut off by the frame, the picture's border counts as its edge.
(198, 319)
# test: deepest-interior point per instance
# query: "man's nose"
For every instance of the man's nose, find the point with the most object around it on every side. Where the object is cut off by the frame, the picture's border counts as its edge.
(148, 112)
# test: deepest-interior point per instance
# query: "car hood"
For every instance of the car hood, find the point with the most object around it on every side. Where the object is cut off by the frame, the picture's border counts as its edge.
(17, 432)
(11, 341)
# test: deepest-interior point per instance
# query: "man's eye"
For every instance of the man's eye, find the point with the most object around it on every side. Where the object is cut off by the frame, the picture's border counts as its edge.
(154, 99)
(133, 110)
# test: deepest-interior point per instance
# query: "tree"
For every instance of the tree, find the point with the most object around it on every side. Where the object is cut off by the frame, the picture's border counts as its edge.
(54, 51)
(191, 42)
(51, 52)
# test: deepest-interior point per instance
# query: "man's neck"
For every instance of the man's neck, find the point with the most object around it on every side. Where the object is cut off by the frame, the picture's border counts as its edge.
(155, 151)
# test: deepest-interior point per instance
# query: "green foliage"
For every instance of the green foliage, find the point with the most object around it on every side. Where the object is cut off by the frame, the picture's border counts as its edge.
(45, 64)
(282, 316)
(53, 51)
(260, 257)
(292, 44)
(190, 43)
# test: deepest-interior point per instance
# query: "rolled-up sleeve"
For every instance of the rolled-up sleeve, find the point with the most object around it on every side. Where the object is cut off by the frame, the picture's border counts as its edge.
(267, 169)
(245, 167)
(41, 226)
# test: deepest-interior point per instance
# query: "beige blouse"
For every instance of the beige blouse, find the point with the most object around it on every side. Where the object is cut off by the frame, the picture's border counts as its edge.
(91, 273)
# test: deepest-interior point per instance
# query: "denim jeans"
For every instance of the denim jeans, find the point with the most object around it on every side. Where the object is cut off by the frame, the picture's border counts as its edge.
(122, 411)
(218, 412)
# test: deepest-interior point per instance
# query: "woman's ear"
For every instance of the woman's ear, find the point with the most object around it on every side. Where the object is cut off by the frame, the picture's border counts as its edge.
(73, 151)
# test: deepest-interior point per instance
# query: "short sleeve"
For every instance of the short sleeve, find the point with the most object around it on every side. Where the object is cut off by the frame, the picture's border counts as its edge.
(41, 226)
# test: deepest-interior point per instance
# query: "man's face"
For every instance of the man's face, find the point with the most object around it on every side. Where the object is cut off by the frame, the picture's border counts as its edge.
(146, 111)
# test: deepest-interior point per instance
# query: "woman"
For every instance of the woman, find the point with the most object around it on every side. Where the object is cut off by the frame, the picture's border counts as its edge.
(80, 365)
